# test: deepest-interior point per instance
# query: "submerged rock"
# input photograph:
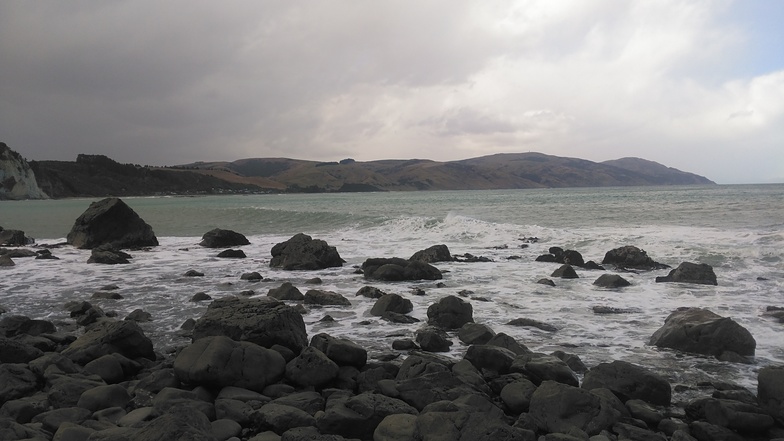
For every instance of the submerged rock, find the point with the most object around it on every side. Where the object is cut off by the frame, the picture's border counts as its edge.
(611, 281)
(688, 272)
(397, 270)
(219, 238)
(111, 222)
(631, 257)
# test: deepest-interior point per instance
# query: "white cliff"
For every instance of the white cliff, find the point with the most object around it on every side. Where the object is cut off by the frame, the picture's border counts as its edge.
(17, 180)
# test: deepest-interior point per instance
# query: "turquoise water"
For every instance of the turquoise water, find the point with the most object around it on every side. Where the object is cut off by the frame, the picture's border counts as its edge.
(739, 230)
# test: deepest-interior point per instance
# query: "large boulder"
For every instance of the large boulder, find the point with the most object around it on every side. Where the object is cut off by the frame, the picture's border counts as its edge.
(109, 337)
(217, 362)
(770, 391)
(263, 321)
(688, 272)
(558, 407)
(631, 257)
(436, 253)
(451, 312)
(391, 303)
(342, 351)
(396, 269)
(302, 252)
(360, 415)
(704, 332)
(111, 222)
(219, 238)
(14, 238)
(311, 368)
(628, 381)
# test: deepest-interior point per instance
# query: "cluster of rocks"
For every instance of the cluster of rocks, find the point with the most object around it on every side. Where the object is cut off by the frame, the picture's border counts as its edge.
(251, 373)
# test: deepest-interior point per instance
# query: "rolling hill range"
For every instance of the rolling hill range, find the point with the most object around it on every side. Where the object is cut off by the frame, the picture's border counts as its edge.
(501, 171)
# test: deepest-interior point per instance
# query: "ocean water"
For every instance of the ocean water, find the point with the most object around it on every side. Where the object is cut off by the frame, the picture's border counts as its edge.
(739, 230)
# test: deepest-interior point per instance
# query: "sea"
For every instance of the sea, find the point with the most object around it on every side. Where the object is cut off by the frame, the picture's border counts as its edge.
(737, 229)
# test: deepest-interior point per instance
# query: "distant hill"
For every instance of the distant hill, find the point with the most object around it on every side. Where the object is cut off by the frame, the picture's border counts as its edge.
(508, 170)
(98, 175)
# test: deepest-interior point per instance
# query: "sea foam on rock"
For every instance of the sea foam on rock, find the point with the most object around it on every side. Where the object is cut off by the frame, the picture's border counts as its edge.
(111, 222)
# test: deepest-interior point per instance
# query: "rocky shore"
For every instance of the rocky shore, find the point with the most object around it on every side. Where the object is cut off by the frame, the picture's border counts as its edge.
(252, 372)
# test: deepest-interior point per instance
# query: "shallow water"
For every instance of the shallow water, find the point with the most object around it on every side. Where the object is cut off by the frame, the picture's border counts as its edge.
(739, 230)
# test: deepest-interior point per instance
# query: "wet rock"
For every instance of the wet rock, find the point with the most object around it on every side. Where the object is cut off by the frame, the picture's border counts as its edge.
(370, 292)
(14, 351)
(531, 323)
(450, 312)
(111, 222)
(475, 333)
(286, 291)
(6, 261)
(15, 325)
(51, 420)
(631, 257)
(193, 273)
(16, 381)
(547, 282)
(177, 424)
(396, 270)
(571, 360)
(109, 256)
(770, 391)
(543, 367)
(557, 407)
(628, 381)
(103, 397)
(734, 415)
(396, 427)
(392, 303)
(701, 331)
(688, 272)
(340, 350)
(311, 368)
(220, 238)
(123, 337)
(280, 417)
(489, 357)
(200, 297)
(611, 281)
(432, 339)
(436, 253)
(611, 310)
(13, 238)
(252, 277)
(325, 298)
(106, 295)
(360, 415)
(505, 341)
(565, 272)
(263, 321)
(219, 361)
(516, 396)
(302, 252)
(232, 254)
(140, 316)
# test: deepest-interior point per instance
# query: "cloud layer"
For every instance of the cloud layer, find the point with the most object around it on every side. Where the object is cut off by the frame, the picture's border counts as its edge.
(180, 81)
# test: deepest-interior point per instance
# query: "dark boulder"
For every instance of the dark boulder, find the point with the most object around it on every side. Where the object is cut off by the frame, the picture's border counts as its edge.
(340, 350)
(629, 381)
(6, 261)
(531, 323)
(109, 337)
(359, 416)
(611, 281)
(325, 298)
(216, 362)
(559, 255)
(252, 276)
(302, 252)
(475, 333)
(396, 270)
(631, 257)
(557, 407)
(108, 256)
(111, 222)
(543, 367)
(770, 391)
(506, 341)
(219, 238)
(311, 368)
(263, 321)
(14, 238)
(392, 303)
(701, 331)
(370, 292)
(432, 339)
(16, 381)
(565, 272)
(450, 312)
(436, 253)
(232, 254)
(688, 272)
(286, 291)
(489, 357)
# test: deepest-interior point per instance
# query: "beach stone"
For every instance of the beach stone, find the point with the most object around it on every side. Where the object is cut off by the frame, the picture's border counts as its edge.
(220, 238)
(177, 424)
(340, 350)
(611, 281)
(392, 303)
(108, 256)
(219, 361)
(280, 417)
(253, 276)
(224, 429)
(286, 291)
(16, 381)
(263, 321)
(770, 391)
(543, 367)
(140, 316)
(701, 331)
(302, 252)
(565, 272)
(435, 253)
(475, 333)
(111, 222)
(108, 367)
(370, 292)
(741, 417)
(310, 401)
(396, 269)
(508, 342)
(705, 431)
(631, 257)
(102, 397)
(14, 351)
(558, 407)
(450, 312)
(432, 339)
(232, 254)
(23, 409)
(629, 381)
(360, 415)
(688, 272)
(516, 395)
(311, 368)
(630, 432)
(325, 298)
(396, 427)
(51, 420)
(489, 357)
(11, 430)
(108, 337)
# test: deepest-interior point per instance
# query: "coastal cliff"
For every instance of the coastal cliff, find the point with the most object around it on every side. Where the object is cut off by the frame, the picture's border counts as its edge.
(17, 180)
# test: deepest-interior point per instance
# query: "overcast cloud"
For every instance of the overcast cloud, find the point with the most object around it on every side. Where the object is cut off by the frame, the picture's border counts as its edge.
(696, 85)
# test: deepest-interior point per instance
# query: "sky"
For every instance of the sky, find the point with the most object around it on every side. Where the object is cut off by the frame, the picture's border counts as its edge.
(693, 84)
